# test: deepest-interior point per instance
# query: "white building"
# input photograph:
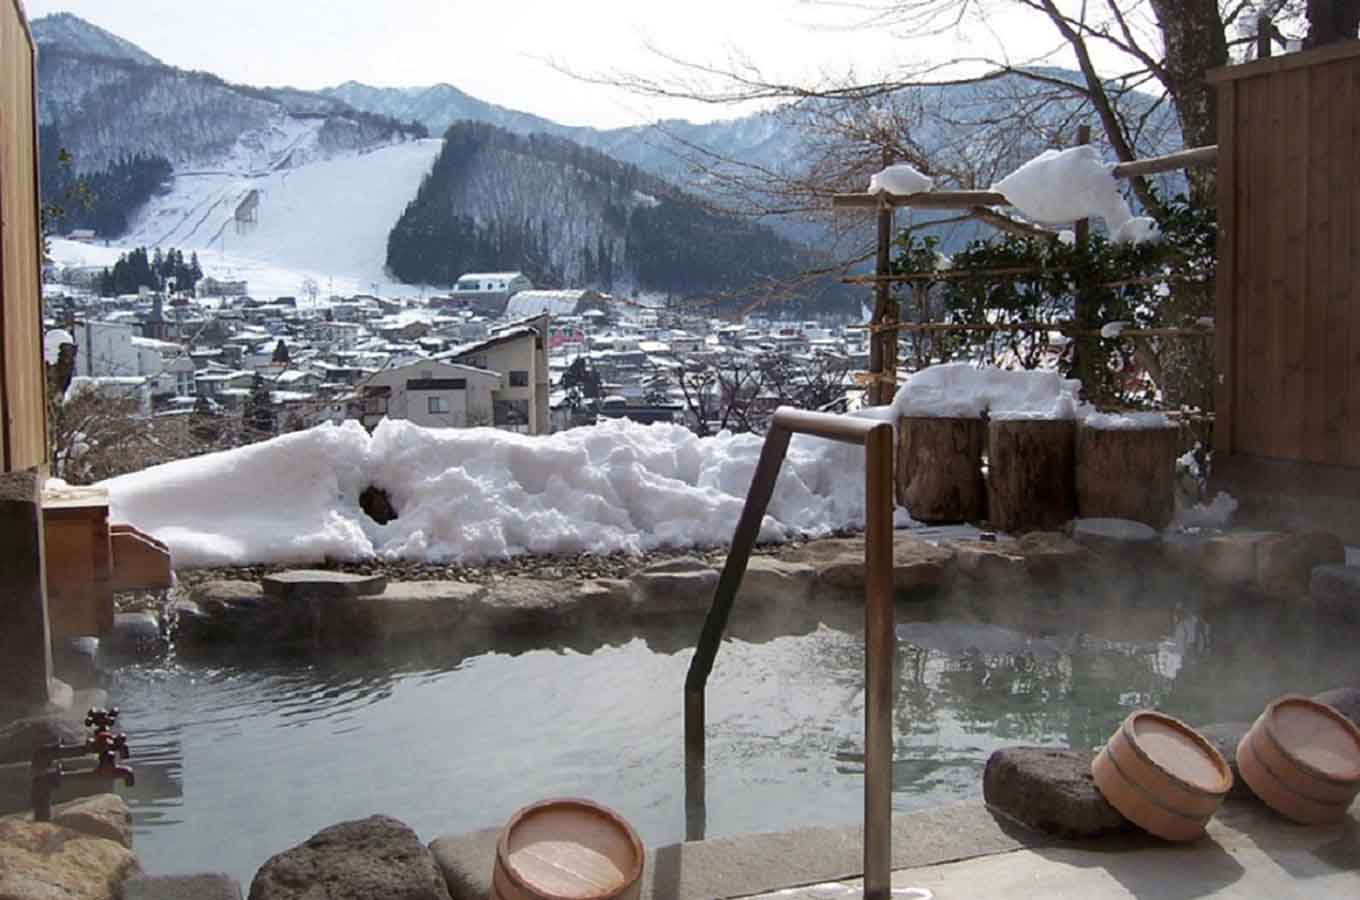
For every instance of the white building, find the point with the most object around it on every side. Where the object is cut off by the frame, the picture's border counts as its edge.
(433, 394)
(520, 352)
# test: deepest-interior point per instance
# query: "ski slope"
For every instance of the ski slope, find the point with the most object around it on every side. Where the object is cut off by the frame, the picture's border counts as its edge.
(326, 219)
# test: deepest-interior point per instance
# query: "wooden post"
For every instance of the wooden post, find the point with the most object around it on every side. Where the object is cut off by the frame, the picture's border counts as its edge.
(939, 469)
(25, 641)
(1081, 311)
(883, 343)
(1263, 26)
(1127, 473)
(1032, 479)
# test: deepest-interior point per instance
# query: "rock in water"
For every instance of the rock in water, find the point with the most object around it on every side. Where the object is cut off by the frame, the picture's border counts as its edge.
(377, 857)
(1049, 789)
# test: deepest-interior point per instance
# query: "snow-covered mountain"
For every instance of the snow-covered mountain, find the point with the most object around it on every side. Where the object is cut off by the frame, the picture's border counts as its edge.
(73, 34)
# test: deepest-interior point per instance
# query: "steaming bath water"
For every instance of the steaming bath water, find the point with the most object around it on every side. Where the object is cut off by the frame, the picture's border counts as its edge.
(236, 762)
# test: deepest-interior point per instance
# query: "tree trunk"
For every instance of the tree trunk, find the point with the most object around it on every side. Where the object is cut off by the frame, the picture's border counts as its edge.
(1193, 33)
(1031, 482)
(939, 469)
(1127, 474)
(1330, 21)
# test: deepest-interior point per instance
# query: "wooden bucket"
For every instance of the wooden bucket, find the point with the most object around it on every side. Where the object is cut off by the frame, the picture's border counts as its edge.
(567, 849)
(1302, 758)
(1162, 775)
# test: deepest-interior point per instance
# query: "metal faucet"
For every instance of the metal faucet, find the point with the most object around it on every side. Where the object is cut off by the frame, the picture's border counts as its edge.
(48, 775)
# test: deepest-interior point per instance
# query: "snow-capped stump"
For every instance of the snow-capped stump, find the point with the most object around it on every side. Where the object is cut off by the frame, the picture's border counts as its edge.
(1032, 469)
(939, 469)
(1126, 468)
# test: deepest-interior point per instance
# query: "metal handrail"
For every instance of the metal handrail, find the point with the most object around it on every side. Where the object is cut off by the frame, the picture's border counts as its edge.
(879, 639)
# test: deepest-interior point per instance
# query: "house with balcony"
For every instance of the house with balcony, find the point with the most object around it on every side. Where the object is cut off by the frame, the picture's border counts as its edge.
(428, 393)
(519, 351)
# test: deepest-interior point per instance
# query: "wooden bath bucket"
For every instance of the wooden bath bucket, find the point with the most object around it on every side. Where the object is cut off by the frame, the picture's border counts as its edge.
(1162, 776)
(1302, 758)
(567, 849)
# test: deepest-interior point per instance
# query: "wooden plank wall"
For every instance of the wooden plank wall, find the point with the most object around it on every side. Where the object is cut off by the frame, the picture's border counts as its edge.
(23, 422)
(1288, 298)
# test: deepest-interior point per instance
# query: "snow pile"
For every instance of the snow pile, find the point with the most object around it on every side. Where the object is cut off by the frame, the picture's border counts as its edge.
(1138, 230)
(900, 179)
(1130, 421)
(962, 390)
(53, 342)
(476, 494)
(1060, 186)
(1216, 514)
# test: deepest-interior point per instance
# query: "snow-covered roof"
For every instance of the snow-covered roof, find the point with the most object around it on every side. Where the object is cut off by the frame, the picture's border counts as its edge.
(502, 276)
(153, 344)
(557, 303)
(501, 337)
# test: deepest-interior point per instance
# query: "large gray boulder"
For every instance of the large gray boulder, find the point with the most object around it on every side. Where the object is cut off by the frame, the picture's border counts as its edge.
(1335, 591)
(677, 587)
(407, 609)
(532, 604)
(1231, 559)
(99, 815)
(377, 857)
(839, 563)
(771, 583)
(47, 860)
(1225, 736)
(1052, 556)
(136, 635)
(238, 612)
(1115, 537)
(1049, 789)
(990, 562)
(1285, 563)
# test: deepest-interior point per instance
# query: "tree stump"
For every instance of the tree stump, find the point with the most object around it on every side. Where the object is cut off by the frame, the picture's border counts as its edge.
(939, 469)
(1127, 473)
(1031, 481)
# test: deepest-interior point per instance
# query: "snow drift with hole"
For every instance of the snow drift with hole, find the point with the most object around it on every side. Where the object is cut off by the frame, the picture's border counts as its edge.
(468, 495)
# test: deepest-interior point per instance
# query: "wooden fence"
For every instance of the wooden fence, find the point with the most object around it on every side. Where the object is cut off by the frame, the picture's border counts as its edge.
(1288, 317)
(23, 412)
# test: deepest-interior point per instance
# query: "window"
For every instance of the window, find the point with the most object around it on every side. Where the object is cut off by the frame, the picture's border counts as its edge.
(519, 379)
(437, 405)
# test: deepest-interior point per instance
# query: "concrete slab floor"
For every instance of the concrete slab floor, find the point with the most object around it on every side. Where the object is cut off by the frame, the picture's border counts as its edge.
(1249, 853)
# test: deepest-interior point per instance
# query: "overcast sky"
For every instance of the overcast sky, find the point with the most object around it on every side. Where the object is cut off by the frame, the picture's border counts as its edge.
(497, 50)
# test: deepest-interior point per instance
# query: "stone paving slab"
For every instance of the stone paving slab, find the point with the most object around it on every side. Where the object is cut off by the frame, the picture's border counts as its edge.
(739, 866)
(322, 583)
(181, 887)
(1249, 854)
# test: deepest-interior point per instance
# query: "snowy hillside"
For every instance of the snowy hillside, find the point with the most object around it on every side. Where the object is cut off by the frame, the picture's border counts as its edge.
(327, 219)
